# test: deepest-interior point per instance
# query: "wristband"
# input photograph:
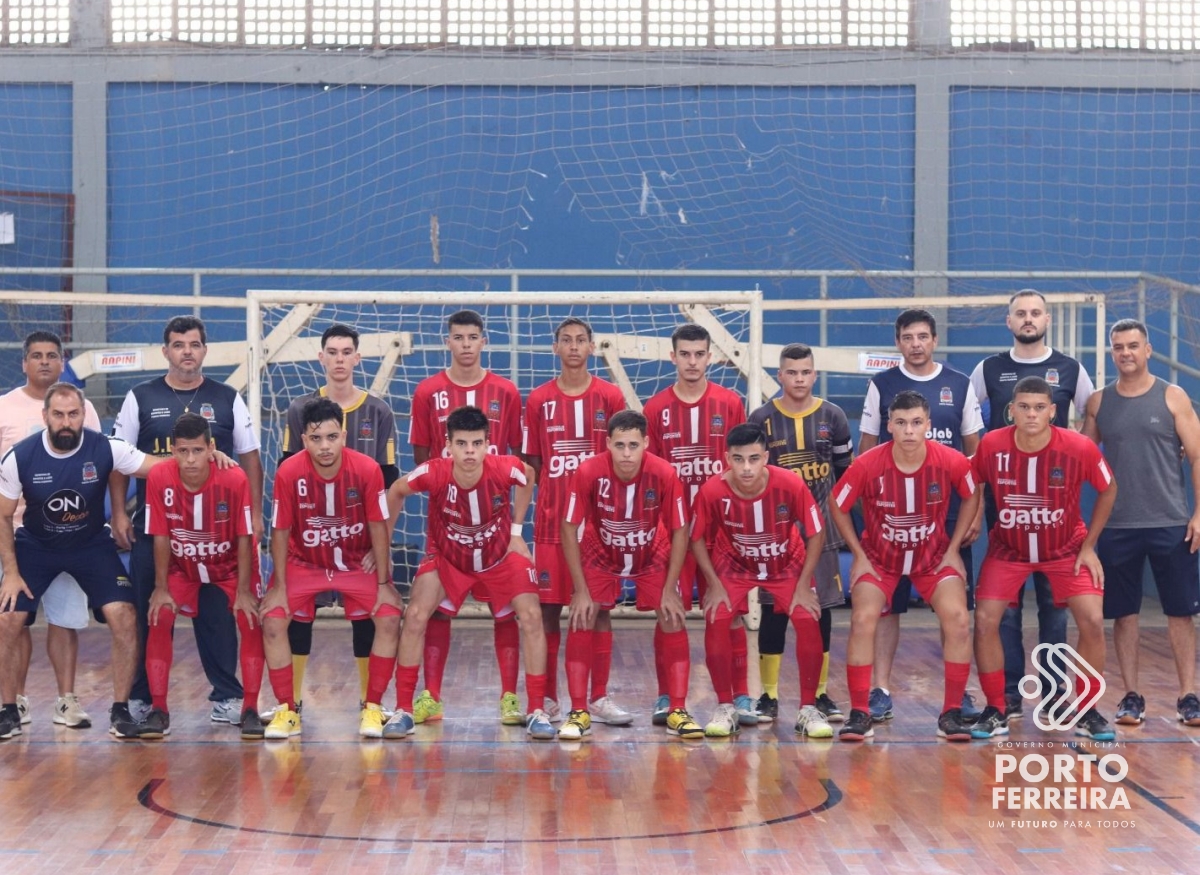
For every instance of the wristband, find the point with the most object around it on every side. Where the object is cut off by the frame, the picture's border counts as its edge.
(516, 530)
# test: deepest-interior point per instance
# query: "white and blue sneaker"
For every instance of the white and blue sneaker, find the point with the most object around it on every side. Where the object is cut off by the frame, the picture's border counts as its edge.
(747, 713)
(399, 725)
(539, 727)
(880, 705)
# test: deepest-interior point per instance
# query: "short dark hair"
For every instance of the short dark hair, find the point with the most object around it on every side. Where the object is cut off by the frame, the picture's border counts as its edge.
(1129, 325)
(795, 352)
(627, 420)
(568, 322)
(189, 426)
(464, 317)
(746, 434)
(62, 388)
(321, 410)
(466, 418)
(338, 329)
(40, 337)
(1025, 293)
(909, 399)
(912, 316)
(1033, 386)
(690, 331)
(182, 325)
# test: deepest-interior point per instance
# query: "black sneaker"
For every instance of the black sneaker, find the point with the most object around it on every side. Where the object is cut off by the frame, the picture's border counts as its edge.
(990, 724)
(121, 722)
(829, 708)
(1093, 725)
(156, 725)
(857, 728)
(768, 709)
(1187, 710)
(1014, 709)
(252, 725)
(1132, 710)
(953, 725)
(10, 723)
(970, 711)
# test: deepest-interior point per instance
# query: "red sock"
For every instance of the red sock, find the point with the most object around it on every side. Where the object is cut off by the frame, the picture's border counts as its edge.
(810, 653)
(250, 655)
(535, 692)
(379, 674)
(159, 655)
(956, 674)
(740, 649)
(718, 657)
(406, 685)
(579, 666)
(992, 684)
(507, 637)
(677, 658)
(660, 665)
(437, 646)
(601, 663)
(1083, 689)
(281, 685)
(553, 642)
(858, 679)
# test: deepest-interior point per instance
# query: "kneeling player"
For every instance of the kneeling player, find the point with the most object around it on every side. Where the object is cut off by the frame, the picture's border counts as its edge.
(747, 519)
(474, 536)
(199, 516)
(330, 510)
(905, 487)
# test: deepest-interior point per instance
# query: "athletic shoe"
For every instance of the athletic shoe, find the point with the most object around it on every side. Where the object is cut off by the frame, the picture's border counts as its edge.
(23, 710)
(538, 726)
(252, 725)
(285, 724)
(662, 707)
(1014, 709)
(724, 722)
(578, 726)
(1187, 710)
(69, 713)
(1132, 710)
(970, 711)
(812, 723)
(747, 714)
(680, 722)
(552, 710)
(857, 728)
(955, 725)
(400, 725)
(1093, 725)
(370, 721)
(227, 711)
(139, 709)
(156, 725)
(767, 708)
(510, 710)
(990, 724)
(121, 722)
(605, 710)
(829, 708)
(10, 723)
(880, 704)
(426, 708)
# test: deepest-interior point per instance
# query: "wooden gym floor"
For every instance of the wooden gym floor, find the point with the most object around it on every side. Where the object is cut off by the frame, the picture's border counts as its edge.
(469, 794)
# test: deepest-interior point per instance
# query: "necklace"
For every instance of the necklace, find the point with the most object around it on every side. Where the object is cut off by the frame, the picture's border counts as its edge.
(187, 405)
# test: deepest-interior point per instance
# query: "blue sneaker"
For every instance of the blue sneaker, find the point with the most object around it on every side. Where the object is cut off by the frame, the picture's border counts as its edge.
(747, 714)
(538, 726)
(662, 707)
(399, 725)
(970, 711)
(880, 704)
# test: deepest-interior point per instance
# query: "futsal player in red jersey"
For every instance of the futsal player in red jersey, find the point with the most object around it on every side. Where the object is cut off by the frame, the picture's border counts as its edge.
(635, 518)
(566, 421)
(746, 534)
(199, 517)
(474, 537)
(466, 383)
(330, 512)
(686, 424)
(905, 487)
(1036, 471)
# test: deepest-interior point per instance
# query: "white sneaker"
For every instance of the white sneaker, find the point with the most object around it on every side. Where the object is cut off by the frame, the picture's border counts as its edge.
(69, 713)
(812, 722)
(605, 710)
(553, 711)
(227, 711)
(23, 709)
(139, 710)
(724, 722)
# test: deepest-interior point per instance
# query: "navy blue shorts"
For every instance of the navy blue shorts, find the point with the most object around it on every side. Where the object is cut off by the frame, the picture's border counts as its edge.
(1123, 553)
(94, 564)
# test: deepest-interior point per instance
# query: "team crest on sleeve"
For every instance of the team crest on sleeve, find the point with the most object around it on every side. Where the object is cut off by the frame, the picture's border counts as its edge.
(221, 511)
(89, 472)
(717, 424)
(946, 397)
(206, 410)
(1057, 477)
(1052, 376)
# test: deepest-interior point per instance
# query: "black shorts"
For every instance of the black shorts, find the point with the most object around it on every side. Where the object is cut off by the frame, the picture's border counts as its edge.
(1123, 553)
(94, 564)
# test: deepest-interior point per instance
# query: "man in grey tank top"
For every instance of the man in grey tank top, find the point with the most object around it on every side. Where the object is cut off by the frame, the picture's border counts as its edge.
(1145, 423)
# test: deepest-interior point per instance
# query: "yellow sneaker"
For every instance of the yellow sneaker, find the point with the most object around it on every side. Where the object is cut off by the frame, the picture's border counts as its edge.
(578, 726)
(510, 710)
(370, 724)
(285, 724)
(680, 722)
(426, 708)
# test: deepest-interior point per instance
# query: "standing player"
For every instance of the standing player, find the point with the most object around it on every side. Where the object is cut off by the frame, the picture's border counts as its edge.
(466, 384)
(906, 489)
(993, 380)
(954, 421)
(687, 423)
(63, 474)
(64, 601)
(1036, 471)
(746, 534)
(473, 537)
(566, 421)
(371, 430)
(810, 437)
(145, 420)
(1145, 425)
(199, 518)
(635, 513)
(329, 512)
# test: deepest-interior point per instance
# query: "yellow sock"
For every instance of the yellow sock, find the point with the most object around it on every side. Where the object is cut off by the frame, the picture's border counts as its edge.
(363, 673)
(823, 681)
(768, 672)
(299, 663)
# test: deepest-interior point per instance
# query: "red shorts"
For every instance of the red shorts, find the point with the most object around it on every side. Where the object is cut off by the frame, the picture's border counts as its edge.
(782, 589)
(553, 579)
(1001, 580)
(925, 584)
(605, 589)
(691, 580)
(186, 592)
(359, 590)
(510, 577)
